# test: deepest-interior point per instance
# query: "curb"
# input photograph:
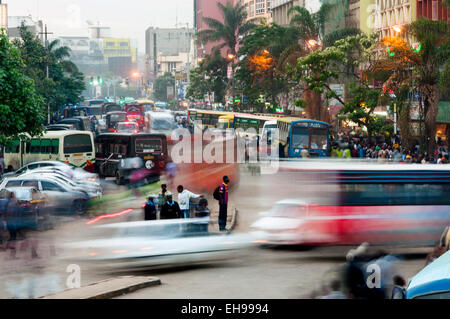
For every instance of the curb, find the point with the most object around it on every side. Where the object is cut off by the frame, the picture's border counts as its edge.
(100, 290)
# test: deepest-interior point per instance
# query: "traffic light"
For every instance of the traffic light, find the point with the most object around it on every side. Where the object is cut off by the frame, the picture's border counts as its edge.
(100, 80)
(91, 81)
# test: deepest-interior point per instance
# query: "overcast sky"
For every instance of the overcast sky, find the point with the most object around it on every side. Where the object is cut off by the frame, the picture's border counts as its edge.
(127, 18)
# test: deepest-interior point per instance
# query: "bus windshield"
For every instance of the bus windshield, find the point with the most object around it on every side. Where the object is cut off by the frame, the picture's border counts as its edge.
(319, 139)
(300, 138)
(78, 143)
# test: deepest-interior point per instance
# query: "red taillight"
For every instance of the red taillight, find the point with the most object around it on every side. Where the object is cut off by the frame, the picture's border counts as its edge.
(161, 164)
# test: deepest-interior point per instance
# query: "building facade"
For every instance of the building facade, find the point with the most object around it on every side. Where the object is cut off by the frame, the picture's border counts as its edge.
(172, 42)
(258, 10)
(381, 16)
(15, 22)
(280, 8)
(3, 16)
(207, 9)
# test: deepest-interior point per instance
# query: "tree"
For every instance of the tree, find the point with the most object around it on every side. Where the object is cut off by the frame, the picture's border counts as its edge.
(353, 58)
(65, 83)
(161, 85)
(434, 37)
(209, 76)
(261, 74)
(228, 34)
(21, 108)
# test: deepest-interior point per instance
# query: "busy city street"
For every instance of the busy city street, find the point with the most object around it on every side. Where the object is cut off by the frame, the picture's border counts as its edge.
(224, 149)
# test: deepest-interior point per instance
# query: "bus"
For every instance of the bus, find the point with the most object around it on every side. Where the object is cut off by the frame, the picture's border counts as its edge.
(75, 148)
(297, 135)
(251, 121)
(225, 122)
(209, 119)
(327, 202)
(114, 150)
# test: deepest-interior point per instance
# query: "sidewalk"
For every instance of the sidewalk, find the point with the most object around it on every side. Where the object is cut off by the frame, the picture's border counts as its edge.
(107, 289)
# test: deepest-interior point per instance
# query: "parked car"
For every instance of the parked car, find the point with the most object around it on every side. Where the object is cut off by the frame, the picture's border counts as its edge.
(61, 196)
(93, 189)
(32, 206)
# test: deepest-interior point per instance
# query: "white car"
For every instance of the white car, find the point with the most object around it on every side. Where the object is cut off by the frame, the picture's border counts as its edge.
(282, 225)
(92, 189)
(61, 196)
(155, 243)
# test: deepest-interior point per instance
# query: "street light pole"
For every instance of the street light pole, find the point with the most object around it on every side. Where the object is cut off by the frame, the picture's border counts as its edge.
(45, 33)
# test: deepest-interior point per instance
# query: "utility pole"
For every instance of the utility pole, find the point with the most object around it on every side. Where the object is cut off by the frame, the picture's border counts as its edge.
(47, 66)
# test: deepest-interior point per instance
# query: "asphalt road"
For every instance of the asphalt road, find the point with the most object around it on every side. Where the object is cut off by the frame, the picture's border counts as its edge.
(254, 273)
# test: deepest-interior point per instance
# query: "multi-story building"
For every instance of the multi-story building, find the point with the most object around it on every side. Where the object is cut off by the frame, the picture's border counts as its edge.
(280, 8)
(121, 56)
(258, 10)
(3, 16)
(207, 9)
(172, 42)
(381, 16)
(15, 22)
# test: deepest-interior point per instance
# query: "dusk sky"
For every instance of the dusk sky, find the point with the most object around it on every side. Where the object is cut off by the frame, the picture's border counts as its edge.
(128, 18)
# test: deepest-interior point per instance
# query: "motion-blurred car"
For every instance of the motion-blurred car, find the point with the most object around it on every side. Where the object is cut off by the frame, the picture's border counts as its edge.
(433, 282)
(74, 173)
(32, 206)
(62, 198)
(93, 189)
(156, 243)
(127, 127)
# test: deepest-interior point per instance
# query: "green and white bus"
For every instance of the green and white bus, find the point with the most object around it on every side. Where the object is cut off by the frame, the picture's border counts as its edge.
(75, 148)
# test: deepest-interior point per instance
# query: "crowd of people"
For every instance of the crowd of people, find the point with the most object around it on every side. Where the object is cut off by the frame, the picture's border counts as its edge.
(164, 205)
(388, 152)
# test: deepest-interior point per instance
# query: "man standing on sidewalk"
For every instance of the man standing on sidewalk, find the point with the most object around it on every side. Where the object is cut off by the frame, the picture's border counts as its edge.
(184, 197)
(223, 204)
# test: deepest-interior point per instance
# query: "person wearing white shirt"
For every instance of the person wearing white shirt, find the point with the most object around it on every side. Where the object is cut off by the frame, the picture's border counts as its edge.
(184, 197)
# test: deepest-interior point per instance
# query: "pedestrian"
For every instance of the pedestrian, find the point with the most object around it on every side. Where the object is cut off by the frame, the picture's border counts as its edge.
(398, 292)
(162, 196)
(184, 197)
(335, 291)
(223, 203)
(171, 209)
(203, 212)
(12, 222)
(150, 209)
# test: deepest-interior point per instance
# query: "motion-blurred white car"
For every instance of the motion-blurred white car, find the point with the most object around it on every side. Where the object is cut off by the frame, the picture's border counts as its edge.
(156, 243)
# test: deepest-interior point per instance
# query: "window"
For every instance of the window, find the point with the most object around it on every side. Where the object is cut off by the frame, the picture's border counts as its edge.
(396, 194)
(46, 146)
(34, 184)
(35, 146)
(319, 139)
(48, 186)
(34, 166)
(55, 147)
(148, 146)
(300, 138)
(78, 143)
(260, 6)
(13, 184)
(251, 9)
(14, 147)
(123, 44)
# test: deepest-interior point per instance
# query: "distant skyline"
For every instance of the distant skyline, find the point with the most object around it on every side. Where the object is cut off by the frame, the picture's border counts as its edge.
(127, 19)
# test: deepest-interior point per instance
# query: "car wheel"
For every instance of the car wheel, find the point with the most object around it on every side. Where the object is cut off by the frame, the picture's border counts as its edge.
(79, 207)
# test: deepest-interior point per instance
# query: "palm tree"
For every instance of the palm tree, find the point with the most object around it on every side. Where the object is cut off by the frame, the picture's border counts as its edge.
(310, 26)
(230, 31)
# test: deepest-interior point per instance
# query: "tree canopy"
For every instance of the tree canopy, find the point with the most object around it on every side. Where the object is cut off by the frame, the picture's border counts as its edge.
(21, 108)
